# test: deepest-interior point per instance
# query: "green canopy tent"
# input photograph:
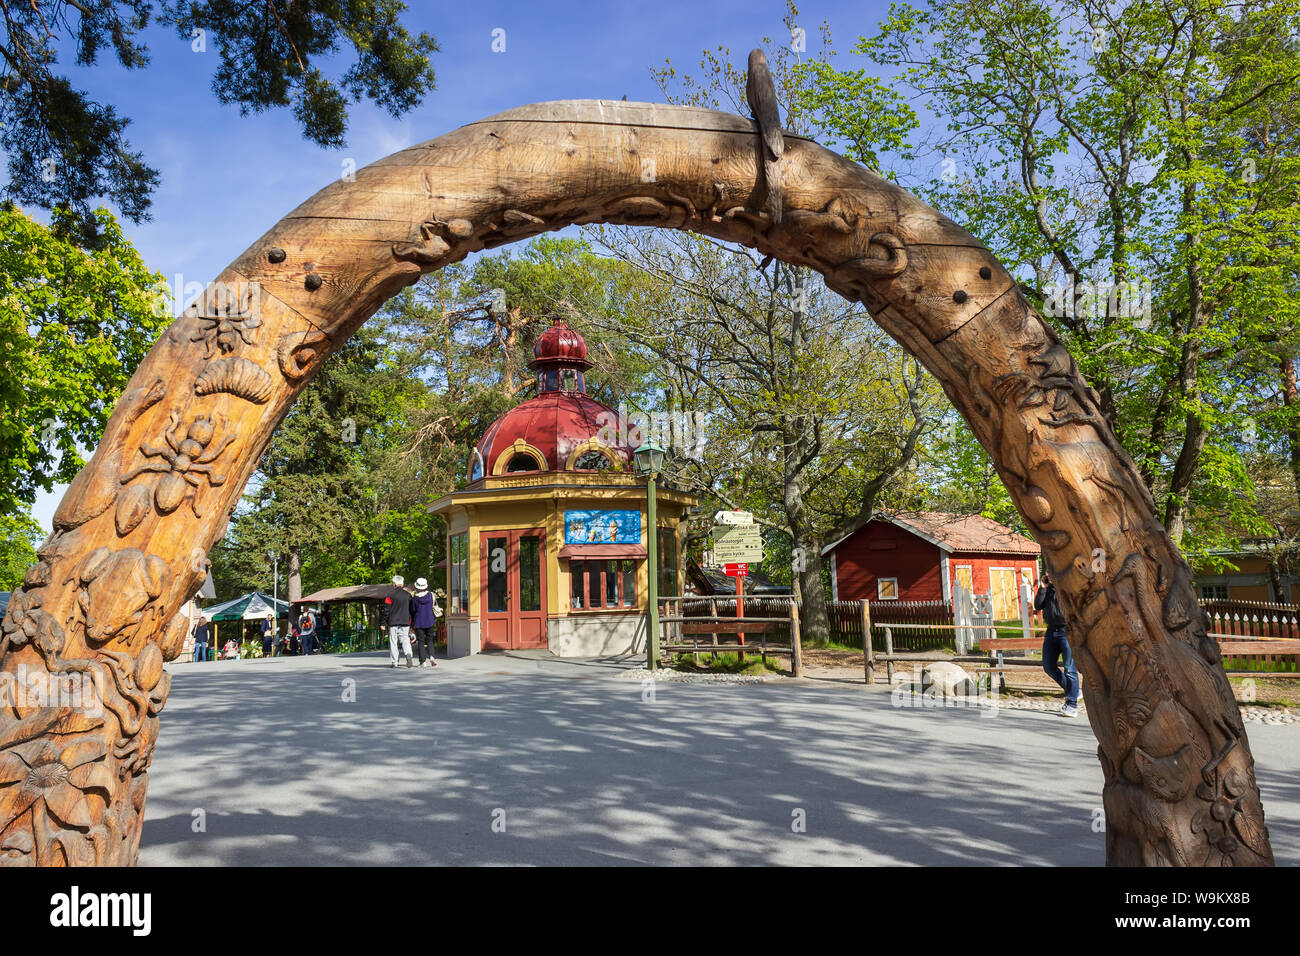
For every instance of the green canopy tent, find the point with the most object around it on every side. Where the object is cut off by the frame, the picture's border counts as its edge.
(253, 606)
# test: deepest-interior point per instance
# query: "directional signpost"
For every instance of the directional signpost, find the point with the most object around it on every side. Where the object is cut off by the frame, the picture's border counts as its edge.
(737, 543)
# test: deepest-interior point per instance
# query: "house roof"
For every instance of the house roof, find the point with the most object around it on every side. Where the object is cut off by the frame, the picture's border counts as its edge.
(358, 592)
(954, 532)
(716, 581)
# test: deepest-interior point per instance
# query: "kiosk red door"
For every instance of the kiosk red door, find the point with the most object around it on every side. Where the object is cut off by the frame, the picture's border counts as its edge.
(514, 589)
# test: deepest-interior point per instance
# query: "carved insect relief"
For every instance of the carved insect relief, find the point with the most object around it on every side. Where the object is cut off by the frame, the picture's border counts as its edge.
(186, 461)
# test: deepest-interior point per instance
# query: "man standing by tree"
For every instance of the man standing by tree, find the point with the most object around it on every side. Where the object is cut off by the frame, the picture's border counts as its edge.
(397, 619)
(1057, 645)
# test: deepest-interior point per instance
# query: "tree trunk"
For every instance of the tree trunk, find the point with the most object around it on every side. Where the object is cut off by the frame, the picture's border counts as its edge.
(1195, 432)
(1275, 580)
(1291, 401)
(1184, 473)
(295, 574)
(107, 597)
(815, 626)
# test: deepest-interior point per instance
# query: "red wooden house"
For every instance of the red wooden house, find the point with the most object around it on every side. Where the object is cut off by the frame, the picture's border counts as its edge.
(920, 555)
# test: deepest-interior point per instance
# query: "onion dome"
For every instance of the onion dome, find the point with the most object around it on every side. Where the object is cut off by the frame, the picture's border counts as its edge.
(560, 346)
(563, 428)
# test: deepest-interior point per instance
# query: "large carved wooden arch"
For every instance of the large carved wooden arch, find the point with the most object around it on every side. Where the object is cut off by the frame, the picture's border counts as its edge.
(102, 606)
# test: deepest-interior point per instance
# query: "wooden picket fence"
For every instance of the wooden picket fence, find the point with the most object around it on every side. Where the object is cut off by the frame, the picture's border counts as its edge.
(1238, 625)
(846, 623)
(1277, 621)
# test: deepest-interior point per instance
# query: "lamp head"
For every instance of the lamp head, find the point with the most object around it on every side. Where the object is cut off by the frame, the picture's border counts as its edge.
(649, 458)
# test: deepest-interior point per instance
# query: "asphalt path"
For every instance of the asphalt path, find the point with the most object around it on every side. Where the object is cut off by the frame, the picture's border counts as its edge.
(525, 759)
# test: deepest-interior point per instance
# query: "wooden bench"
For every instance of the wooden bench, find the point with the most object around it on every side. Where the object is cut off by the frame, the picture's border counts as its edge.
(996, 644)
(997, 664)
(760, 626)
(1261, 650)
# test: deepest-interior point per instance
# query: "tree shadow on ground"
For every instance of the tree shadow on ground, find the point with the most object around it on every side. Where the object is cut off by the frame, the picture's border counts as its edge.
(523, 761)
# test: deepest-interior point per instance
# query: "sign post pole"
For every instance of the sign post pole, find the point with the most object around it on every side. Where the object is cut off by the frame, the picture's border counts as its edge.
(740, 610)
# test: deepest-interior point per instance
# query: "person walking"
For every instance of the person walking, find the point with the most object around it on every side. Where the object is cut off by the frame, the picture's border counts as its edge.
(397, 620)
(1056, 645)
(424, 618)
(201, 637)
(307, 631)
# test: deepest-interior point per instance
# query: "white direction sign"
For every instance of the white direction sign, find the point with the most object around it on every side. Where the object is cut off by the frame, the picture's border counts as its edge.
(737, 544)
(734, 517)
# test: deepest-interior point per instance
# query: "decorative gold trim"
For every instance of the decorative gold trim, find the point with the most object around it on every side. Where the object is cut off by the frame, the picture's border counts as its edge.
(591, 444)
(520, 447)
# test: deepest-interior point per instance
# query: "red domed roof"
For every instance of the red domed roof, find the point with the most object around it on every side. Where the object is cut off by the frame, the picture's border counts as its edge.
(559, 421)
(555, 424)
(560, 345)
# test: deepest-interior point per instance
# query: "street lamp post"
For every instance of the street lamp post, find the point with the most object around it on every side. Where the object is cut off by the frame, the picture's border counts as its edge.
(275, 599)
(649, 459)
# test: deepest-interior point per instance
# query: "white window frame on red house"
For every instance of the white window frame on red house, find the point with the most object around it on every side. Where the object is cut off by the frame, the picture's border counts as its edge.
(882, 597)
(1015, 587)
(969, 567)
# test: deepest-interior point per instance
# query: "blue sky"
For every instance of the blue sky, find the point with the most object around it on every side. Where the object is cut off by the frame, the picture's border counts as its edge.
(226, 179)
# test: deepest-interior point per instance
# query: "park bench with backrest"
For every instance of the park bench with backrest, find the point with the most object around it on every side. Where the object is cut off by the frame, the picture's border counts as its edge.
(755, 631)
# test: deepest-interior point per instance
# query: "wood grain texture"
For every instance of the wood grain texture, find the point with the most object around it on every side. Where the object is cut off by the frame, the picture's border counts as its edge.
(132, 532)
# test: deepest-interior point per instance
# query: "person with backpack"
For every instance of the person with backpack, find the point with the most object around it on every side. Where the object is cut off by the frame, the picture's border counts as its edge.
(307, 631)
(397, 621)
(424, 618)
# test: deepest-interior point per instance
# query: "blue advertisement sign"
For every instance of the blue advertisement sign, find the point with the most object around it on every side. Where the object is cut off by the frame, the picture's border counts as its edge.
(602, 527)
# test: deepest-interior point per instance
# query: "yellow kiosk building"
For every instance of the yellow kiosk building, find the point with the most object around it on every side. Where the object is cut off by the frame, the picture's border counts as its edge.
(547, 543)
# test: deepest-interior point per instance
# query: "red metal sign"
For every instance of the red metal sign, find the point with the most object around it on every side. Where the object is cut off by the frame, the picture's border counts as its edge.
(736, 570)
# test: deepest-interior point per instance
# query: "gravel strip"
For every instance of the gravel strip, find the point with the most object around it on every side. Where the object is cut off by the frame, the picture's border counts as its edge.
(668, 675)
(1263, 715)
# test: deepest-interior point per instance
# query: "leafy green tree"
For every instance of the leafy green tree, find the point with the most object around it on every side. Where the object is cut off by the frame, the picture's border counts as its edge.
(807, 414)
(19, 535)
(1135, 166)
(74, 324)
(64, 148)
(561, 278)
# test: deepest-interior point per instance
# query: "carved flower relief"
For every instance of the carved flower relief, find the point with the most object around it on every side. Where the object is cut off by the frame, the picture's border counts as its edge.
(1135, 694)
(225, 332)
(26, 622)
(1229, 819)
(57, 776)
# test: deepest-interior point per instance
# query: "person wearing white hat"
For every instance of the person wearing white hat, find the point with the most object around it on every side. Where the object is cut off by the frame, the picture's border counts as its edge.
(397, 619)
(424, 618)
